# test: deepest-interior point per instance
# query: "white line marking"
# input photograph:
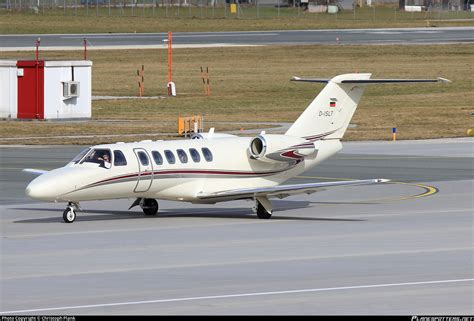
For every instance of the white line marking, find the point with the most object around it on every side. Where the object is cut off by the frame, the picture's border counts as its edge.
(467, 28)
(124, 47)
(238, 295)
(132, 36)
(401, 32)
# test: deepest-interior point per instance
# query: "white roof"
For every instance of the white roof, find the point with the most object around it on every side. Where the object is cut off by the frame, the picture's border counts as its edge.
(51, 63)
(7, 63)
(67, 63)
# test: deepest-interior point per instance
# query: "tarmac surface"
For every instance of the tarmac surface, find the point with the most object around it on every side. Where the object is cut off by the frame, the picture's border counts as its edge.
(400, 248)
(441, 35)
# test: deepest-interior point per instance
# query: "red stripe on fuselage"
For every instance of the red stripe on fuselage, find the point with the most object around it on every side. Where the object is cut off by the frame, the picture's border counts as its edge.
(208, 172)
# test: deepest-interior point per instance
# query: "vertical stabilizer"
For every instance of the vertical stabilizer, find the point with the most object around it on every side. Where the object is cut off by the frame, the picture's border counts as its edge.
(329, 114)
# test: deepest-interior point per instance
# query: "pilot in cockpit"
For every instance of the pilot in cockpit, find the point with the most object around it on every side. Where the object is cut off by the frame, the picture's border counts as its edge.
(105, 161)
(99, 156)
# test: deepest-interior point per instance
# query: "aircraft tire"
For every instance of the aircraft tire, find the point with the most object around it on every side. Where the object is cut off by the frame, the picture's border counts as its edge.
(150, 206)
(69, 215)
(262, 212)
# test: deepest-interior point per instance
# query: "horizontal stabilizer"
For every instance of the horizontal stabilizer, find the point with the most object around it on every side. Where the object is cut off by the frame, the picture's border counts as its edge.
(323, 81)
(282, 191)
(34, 171)
(393, 81)
(371, 81)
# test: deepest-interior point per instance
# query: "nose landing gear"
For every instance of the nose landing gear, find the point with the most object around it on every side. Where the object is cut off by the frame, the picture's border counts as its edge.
(69, 214)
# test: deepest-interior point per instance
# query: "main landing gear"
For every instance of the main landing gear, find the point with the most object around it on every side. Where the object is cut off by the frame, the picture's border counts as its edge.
(263, 207)
(69, 214)
(148, 205)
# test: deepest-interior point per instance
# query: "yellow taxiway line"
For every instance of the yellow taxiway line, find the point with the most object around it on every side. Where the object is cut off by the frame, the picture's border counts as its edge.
(428, 190)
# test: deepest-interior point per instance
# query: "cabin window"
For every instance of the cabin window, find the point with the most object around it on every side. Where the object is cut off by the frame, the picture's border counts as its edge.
(79, 156)
(183, 158)
(157, 157)
(195, 155)
(170, 157)
(98, 156)
(143, 158)
(119, 158)
(207, 154)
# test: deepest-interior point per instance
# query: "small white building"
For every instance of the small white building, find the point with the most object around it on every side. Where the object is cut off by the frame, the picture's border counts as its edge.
(8, 89)
(31, 89)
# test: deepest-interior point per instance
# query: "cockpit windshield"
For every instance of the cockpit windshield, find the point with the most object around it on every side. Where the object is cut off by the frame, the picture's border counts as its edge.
(98, 156)
(79, 156)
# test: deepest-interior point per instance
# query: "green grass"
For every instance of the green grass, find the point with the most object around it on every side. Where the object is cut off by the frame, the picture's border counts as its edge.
(207, 19)
(252, 84)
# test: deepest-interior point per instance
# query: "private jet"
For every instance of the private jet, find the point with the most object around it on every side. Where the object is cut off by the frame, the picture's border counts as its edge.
(214, 167)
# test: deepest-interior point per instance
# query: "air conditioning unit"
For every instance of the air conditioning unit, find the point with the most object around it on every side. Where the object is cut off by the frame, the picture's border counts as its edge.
(70, 89)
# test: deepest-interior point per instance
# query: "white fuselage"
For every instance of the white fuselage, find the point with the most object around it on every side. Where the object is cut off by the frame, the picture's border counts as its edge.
(230, 168)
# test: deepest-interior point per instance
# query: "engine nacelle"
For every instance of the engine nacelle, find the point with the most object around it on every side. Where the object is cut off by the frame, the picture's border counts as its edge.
(280, 148)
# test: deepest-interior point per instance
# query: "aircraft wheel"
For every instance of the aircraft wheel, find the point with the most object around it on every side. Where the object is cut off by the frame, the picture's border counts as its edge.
(69, 215)
(150, 206)
(262, 212)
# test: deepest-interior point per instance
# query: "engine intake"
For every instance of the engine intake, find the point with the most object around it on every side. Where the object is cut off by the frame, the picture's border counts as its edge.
(280, 148)
(258, 147)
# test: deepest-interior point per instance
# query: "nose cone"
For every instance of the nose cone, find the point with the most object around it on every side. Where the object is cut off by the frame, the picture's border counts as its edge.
(38, 189)
(51, 185)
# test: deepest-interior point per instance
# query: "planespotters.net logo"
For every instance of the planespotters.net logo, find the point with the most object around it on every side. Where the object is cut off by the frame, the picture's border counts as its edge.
(434, 318)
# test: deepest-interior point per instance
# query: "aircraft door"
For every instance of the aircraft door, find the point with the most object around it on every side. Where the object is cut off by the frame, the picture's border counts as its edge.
(145, 171)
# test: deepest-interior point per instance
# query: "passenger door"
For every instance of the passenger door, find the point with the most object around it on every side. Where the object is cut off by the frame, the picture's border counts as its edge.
(145, 170)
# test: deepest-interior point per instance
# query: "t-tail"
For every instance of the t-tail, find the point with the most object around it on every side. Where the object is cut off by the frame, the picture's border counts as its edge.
(329, 114)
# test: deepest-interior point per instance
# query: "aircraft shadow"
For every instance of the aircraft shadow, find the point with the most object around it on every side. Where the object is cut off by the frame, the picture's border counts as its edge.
(211, 212)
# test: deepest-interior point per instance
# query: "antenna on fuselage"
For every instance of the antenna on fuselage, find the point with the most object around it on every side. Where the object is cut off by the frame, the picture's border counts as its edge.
(211, 132)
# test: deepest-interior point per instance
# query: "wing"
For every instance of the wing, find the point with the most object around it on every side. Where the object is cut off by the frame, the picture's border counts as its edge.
(281, 191)
(34, 171)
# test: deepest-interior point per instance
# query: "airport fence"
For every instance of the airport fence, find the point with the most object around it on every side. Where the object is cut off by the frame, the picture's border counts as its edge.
(228, 9)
